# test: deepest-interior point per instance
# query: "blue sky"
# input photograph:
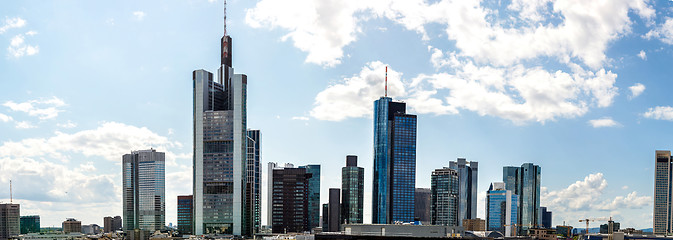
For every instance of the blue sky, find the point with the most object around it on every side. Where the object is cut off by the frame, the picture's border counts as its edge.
(577, 87)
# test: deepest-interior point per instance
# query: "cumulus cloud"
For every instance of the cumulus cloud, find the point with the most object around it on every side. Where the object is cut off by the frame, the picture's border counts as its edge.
(663, 32)
(139, 15)
(24, 125)
(604, 122)
(660, 113)
(636, 90)
(5, 118)
(12, 23)
(68, 124)
(18, 47)
(631, 200)
(41, 108)
(642, 55)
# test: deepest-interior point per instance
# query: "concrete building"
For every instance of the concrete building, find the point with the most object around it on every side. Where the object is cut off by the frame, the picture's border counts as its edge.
(394, 178)
(185, 215)
(394, 231)
(91, 229)
(475, 224)
(71, 225)
(144, 190)
(467, 188)
(290, 200)
(444, 194)
(501, 209)
(30, 224)
(10, 215)
(333, 211)
(352, 191)
(220, 149)
(112, 224)
(423, 205)
(663, 178)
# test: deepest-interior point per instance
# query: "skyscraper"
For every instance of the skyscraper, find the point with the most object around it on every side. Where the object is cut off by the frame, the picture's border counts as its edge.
(423, 205)
(144, 190)
(10, 215)
(352, 191)
(290, 207)
(545, 218)
(394, 162)
(526, 181)
(269, 192)
(111, 224)
(444, 189)
(253, 181)
(30, 224)
(467, 188)
(220, 148)
(501, 209)
(334, 211)
(185, 214)
(663, 177)
(313, 195)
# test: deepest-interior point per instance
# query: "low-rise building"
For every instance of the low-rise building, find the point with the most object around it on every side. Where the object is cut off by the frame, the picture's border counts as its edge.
(476, 224)
(394, 231)
(71, 225)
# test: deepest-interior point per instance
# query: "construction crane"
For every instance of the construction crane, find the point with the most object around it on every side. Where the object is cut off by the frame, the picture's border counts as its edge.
(587, 220)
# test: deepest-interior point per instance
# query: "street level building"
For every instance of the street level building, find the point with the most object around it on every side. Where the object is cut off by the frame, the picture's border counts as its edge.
(144, 190)
(352, 191)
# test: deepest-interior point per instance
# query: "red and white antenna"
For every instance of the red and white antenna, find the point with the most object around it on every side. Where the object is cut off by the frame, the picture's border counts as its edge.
(225, 18)
(386, 81)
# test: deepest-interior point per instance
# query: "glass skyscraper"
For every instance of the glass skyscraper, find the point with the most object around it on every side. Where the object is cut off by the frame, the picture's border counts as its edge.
(185, 216)
(444, 194)
(313, 195)
(352, 191)
(253, 181)
(144, 190)
(663, 177)
(290, 199)
(394, 162)
(467, 188)
(501, 209)
(526, 184)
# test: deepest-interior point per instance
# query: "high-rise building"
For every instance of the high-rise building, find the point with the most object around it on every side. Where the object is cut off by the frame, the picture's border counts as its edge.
(30, 224)
(313, 195)
(333, 211)
(352, 191)
(10, 215)
(71, 225)
(290, 207)
(220, 148)
(444, 191)
(545, 218)
(422, 205)
(111, 224)
(144, 190)
(467, 188)
(269, 192)
(324, 219)
(186, 215)
(253, 181)
(501, 209)
(527, 186)
(394, 162)
(663, 179)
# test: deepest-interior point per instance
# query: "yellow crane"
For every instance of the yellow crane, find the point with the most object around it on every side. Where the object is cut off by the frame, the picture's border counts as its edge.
(587, 220)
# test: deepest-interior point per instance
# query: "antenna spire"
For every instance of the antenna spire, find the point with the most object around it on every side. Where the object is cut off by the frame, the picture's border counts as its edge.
(386, 81)
(225, 18)
(10, 192)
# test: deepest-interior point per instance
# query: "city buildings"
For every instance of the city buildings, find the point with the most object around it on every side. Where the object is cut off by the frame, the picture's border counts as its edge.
(30, 224)
(467, 188)
(313, 195)
(352, 191)
(91, 229)
(10, 215)
(422, 205)
(545, 218)
(185, 215)
(290, 205)
(474, 224)
(333, 211)
(444, 191)
(220, 149)
(253, 182)
(144, 190)
(663, 219)
(111, 224)
(71, 225)
(501, 209)
(394, 162)
(525, 182)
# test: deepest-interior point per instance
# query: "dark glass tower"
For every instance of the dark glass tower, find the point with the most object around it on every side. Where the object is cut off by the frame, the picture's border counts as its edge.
(525, 182)
(394, 162)
(352, 191)
(253, 178)
(467, 188)
(185, 216)
(30, 224)
(313, 195)
(290, 200)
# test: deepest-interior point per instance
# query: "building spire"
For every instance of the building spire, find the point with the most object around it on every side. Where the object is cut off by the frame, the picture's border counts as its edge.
(225, 18)
(386, 80)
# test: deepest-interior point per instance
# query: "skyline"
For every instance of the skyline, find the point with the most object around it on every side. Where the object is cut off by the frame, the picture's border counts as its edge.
(70, 80)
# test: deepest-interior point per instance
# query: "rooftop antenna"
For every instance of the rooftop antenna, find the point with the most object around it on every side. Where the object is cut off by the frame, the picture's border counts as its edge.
(225, 17)
(386, 80)
(10, 192)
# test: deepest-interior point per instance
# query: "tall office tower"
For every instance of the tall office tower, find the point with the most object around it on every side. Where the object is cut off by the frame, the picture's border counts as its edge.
(394, 162)
(663, 177)
(253, 181)
(313, 195)
(220, 148)
(527, 186)
(501, 209)
(422, 205)
(545, 218)
(324, 219)
(30, 224)
(333, 211)
(10, 215)
(269, 192)
(467, 188)
(144, 190)
(352, 191)
(186, 215)
(444, 189)
(111, 224)
(290, 207)
(71, 225)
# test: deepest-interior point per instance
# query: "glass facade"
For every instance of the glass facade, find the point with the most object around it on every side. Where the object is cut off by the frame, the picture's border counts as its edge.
(352, 191)
(313, 195)
(501, 209)
(185, 216)
(253, 179)
(30, 224)
(444, 190)
(394, 162)
(662, 193)
(290, 200)
(467, 188)
(524, 181)
(144, 190)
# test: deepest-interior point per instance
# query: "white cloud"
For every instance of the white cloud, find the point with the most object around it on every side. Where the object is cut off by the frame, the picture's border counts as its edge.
(68, 124)
(18, 47)
(578, 196)
(663, 32)
(5, 118)
(24, 125)
(642, 55)
(12, 23)
(301, 118)
(139, 15)
(41, 108)
(625, 187)
(631, 200)
(636, 90)
(660, 113)
(603, 122)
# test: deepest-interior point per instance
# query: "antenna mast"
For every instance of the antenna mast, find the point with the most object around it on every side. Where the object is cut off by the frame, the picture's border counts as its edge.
(386, 81)
(225, 18)
(10, 192)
